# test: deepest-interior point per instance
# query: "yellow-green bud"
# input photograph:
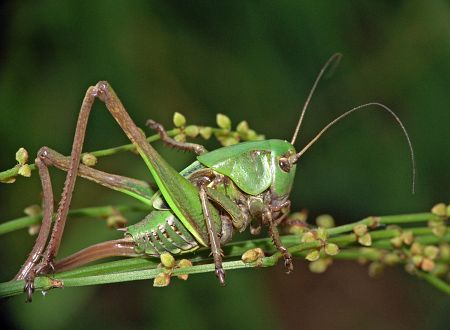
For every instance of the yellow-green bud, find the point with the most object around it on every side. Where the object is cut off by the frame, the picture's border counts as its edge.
(319, 266)
(251, 135)
(439, 209)
(407, 237)
(308, 237)
(365, 240)
(325, 221)
(427, 265)
(183, 263)
(89, 160)
(313, 255)
(178, 119)
(444, 251)
(391, 259)
(331, 249)
(397, 242)
(431, 252)
(22, 156)
(360, 229)
(206, 132)
(161, 280)
(321, 233)
(34, 229)
(229, 141)
(416, 248)
(242, 127)
(252, 255)
(223, 121)
(180, 137)
(167, 260)
(32, 210)
(25, 170)
(417, 260)
(376, 269)
(191, 131)
(116, 221)
(440, 230)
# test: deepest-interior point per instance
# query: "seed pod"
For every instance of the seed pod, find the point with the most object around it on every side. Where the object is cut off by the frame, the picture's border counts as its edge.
(178, 119)
(161, 280)
(167, 260)
(313, 255)
(206, 132)
(183, 263)
(223, 121)
(252, 255)
(22, 156)
(360, 229)
(25, 170)
(191, 131)
(365, 240)
(325, 221)
(89, 160)
(331, 249)
(439, 209)
(242, 128)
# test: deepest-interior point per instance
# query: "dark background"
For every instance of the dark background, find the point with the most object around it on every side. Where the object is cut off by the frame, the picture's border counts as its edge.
(250, 60)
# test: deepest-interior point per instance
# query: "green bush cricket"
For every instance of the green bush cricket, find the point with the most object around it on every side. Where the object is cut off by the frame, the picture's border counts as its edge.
(223, 191)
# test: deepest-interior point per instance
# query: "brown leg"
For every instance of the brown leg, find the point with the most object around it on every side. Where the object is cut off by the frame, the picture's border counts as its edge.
(186, 146)
(27, 270)
(136, 188)
(214, 241)
(276, 240)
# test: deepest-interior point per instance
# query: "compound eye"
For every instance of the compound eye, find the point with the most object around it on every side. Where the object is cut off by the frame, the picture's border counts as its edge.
(284, 164)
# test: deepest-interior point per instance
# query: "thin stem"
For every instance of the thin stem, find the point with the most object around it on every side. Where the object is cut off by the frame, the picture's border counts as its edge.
(97, 212)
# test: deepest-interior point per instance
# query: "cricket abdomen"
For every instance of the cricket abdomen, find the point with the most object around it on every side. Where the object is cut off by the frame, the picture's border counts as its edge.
(161, 231)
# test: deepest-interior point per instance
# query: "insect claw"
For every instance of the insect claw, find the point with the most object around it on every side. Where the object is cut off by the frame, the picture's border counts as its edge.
(220, 273)
(288, 265)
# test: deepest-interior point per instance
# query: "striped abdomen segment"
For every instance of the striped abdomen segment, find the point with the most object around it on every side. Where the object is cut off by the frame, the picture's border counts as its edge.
(161, 231)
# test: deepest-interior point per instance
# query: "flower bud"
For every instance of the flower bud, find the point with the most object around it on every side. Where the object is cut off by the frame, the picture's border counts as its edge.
(365, 240)
(161, 280)
(331, 249)
(167, 260)
(22, 156)
(439, 209)
(313, 255)
(183, 263)
(178, 119)
(223, 121)
(24, 170)
(431, 252)
(252, 255)
(325, 221)
(191, 131)
(89, 159)
(206, 132)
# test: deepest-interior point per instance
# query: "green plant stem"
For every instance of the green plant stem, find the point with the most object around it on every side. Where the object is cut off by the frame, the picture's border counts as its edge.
(147, 268)
(12, 173)
(97, 212)
(436, 282)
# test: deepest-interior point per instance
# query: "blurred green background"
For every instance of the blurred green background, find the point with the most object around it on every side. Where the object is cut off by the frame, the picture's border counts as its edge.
(250, 60)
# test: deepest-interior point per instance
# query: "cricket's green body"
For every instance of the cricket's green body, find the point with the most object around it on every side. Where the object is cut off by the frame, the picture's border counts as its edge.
(254, 174)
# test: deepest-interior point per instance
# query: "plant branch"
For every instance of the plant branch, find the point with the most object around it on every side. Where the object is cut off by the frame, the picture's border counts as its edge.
(147, 268)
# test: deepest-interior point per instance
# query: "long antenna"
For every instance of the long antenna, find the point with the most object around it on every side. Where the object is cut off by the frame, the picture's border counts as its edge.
(334, 58)
(361, 107)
